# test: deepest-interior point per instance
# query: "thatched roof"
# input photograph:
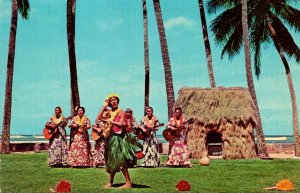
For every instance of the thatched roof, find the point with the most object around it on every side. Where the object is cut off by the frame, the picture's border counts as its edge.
(217, 105)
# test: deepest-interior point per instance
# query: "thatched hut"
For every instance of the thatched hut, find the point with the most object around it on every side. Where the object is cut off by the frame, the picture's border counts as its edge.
(222, 116)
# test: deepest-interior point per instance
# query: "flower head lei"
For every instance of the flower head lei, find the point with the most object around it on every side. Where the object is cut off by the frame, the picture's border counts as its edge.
(112, 95)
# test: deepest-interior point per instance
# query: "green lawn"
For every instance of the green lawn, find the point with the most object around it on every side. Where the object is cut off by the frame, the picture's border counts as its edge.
(30, 173)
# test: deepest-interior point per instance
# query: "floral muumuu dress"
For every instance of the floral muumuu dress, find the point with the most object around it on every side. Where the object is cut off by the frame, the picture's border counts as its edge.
(150, 148)
(80, 147)
(58, 149)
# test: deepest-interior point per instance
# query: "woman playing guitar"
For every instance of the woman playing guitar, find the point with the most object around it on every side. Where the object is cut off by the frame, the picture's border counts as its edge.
(58, 149)
(80, 147)
(150, 124)
(100, 140)
(178, 152)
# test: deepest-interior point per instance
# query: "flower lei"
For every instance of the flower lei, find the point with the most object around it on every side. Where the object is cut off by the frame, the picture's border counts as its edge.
(283, 185)
(147, 121)
(113, 114)
(176, 124)
(80, 121)
(55, 120)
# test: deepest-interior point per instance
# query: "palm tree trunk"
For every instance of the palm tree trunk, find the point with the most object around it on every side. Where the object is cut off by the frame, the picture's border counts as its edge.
(291, 88)
(165, 57)
(146, 56)
(262, 148)
(71, 5)
(9, 79)
(207, 45)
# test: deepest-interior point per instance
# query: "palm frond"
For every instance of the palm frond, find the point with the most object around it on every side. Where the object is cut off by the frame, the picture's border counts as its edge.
(285, 39)
(259, 34)
(214, 5)
(225, 24)
(24, 8)
(288, 13)
(234, 43)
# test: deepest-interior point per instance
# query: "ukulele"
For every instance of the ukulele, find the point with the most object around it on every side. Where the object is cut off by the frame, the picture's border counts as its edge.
(142, 135)
(49, 133)
(170, 134)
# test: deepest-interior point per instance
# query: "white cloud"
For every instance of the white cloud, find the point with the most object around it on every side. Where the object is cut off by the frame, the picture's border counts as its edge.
(179, 21)
(110, 24)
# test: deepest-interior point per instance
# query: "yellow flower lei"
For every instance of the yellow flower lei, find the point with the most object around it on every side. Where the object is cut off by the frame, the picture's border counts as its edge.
(80, 121)
(113, 114)
(57, 121)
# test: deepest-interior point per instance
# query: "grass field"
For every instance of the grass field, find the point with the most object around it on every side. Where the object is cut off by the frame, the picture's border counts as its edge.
(30, 173)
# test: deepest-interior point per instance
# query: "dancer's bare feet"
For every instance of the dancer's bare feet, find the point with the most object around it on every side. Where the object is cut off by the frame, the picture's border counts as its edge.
(126, 186)
(109, 185)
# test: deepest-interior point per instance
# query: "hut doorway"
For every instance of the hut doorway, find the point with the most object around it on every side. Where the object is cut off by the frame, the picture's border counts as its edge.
(214, 143)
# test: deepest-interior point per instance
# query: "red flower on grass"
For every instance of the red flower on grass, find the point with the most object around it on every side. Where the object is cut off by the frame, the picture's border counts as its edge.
(183, 186)
(63, 186)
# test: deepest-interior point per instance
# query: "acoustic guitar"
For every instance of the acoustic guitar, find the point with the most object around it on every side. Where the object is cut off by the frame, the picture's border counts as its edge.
(49, 133)
(141, 135)
(170, 134)
(96, 134)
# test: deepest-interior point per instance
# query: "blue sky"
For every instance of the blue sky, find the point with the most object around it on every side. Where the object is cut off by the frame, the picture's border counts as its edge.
(109, 48)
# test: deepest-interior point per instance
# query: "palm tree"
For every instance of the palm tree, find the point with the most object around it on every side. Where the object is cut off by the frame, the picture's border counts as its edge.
(75, 100)
(146, 56)
(165, 57)
(259, 131)
(207, 45)
(23, 7)
(265, 24)
(279, 49)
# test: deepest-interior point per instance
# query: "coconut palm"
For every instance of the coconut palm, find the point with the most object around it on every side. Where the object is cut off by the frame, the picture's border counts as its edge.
(146, 56)
(207, 45)
(165, 57)
(75, 100)
(265, 24)
(23, 7)
(259, 131)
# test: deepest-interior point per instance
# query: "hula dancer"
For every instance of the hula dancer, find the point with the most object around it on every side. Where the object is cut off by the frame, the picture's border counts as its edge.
(119, 149)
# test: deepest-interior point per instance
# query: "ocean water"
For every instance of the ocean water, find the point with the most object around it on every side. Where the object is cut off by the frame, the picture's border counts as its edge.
(40, 139)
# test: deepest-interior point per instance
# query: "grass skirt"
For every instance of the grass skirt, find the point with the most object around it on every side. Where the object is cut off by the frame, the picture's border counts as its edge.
(120, 151)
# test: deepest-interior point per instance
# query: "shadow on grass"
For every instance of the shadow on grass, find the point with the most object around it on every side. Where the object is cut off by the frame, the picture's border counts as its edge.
(133, 185)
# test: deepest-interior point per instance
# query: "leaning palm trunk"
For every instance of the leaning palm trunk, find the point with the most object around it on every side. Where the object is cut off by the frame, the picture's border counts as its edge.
(71, 5)
(291, 88)
(146, 56)
(9, 79)
(207, 45)
(165, 57)
(262, 148)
